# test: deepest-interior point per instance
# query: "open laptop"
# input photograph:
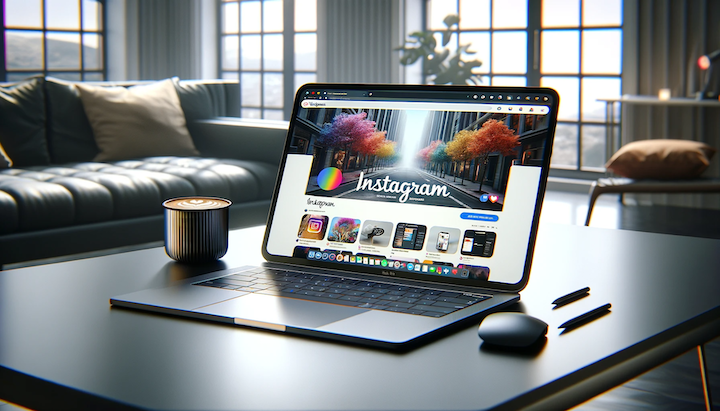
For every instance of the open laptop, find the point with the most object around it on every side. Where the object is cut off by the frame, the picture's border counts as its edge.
(379, 231)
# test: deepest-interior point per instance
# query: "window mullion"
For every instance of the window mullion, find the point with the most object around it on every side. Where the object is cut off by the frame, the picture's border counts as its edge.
(44, 39)
(3, 70)
(424, 27)
(239, 54)
(82, 41)
(580, 91)
(533, 42)
(491, 32)
(262, 59)
(288, 56)
(103, 31)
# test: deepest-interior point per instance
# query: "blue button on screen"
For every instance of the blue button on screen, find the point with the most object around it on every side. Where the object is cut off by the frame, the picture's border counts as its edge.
(478, 217)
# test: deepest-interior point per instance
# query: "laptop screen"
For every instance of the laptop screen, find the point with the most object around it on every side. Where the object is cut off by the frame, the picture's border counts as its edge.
(439, 183)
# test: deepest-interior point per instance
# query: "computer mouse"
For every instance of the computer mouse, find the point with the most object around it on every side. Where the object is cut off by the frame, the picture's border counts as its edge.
(511, 329)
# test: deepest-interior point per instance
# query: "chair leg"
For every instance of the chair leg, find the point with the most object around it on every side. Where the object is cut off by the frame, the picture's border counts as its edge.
(594, 194)
(705, 377)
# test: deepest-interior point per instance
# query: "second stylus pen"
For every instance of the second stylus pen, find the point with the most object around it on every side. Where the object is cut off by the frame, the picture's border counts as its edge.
(587, 317)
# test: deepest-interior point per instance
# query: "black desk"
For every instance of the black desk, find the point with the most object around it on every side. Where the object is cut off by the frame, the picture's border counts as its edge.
(61, 344)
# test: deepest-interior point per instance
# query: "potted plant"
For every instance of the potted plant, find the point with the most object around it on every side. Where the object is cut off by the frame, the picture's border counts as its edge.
(439, 64)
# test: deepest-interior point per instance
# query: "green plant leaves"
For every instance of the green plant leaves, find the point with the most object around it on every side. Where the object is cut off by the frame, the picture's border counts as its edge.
(451, 20)
(446, 35)
(447, 68)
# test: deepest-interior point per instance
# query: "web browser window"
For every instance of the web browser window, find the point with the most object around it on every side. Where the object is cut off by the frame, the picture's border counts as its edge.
(439, 183)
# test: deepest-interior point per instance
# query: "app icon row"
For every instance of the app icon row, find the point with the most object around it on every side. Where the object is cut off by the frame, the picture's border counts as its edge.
(407, 236)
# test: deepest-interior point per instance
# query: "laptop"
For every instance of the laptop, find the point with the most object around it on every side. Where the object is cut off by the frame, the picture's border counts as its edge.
(380, 231)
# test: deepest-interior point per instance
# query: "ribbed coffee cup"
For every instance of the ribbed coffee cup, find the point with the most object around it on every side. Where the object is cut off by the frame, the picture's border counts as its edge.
(196, 228)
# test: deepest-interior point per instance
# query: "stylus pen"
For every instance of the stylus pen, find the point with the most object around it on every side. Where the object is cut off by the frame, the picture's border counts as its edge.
(588, 316)
(575, 295)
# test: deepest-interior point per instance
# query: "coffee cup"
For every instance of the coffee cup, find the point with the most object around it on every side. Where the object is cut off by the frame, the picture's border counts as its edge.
(196, 228)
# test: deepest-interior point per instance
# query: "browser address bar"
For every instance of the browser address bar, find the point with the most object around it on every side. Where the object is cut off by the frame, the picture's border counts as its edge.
(420, 105)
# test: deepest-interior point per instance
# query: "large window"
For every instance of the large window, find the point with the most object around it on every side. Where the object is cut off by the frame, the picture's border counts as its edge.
(271, 47)
(497, 31)
(573, 46)
(60, 38)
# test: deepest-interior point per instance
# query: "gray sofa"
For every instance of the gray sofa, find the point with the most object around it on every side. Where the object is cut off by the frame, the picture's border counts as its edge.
(55, 200)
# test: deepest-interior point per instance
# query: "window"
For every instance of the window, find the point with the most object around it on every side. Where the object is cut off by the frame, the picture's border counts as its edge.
(60, 38)
(497, 31)
(271, 47)
(573, 46)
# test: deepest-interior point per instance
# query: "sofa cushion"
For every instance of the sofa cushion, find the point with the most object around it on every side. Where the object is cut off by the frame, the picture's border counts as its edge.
(22, 122)
(139, 121)
(93, 202)
(132, 196)
(10, 221)
(204, 182)
(228, 178)
(263, 172)
(90, 192)
(4, 159)
(40, 205)
(70, 137)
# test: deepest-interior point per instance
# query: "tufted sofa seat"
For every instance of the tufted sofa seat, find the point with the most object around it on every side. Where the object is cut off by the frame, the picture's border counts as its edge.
(40, 198)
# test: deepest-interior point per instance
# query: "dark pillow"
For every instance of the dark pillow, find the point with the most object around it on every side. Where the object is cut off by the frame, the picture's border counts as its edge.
(203, 100)
(70, 137)
(140, 121)
(661, 159)
(198, 101)
(22, 122)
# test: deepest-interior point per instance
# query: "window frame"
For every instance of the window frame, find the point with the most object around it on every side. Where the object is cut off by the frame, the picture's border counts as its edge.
(81, 31)
(533, 74)
(288, 70)
(579, 169)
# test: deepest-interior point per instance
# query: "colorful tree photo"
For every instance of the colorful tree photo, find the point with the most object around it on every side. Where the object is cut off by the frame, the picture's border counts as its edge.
(344, 230)
(493, 137)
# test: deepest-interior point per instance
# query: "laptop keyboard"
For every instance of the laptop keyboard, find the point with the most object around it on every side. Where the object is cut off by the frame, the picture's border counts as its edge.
(347, 291)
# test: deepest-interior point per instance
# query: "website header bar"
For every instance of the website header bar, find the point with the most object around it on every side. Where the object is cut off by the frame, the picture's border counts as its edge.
(419, 105)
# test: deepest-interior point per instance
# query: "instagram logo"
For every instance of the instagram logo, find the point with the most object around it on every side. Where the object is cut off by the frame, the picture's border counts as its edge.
(315, 225)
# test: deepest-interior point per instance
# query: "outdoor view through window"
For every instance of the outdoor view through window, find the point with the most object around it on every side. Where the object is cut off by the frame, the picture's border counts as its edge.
(61, 38)
(576, 49)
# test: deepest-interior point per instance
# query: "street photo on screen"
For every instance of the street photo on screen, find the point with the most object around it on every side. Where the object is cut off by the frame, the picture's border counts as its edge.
(444, 158)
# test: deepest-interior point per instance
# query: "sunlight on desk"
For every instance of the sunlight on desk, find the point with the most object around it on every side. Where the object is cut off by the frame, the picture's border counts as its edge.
(571, 208)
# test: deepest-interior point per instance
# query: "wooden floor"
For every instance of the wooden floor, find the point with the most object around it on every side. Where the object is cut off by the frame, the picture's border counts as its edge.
(675, 385)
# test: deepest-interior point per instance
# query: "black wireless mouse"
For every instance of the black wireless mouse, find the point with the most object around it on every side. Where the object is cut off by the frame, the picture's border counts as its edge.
(511, 329)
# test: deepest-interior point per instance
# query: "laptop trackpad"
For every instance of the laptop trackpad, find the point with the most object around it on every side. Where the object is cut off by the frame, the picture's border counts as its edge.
(278, 310)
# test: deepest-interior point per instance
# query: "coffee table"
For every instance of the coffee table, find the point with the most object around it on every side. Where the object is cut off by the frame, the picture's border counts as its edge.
(62, 345)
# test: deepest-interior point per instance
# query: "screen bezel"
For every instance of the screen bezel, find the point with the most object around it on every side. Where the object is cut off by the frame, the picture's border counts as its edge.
(383, 272)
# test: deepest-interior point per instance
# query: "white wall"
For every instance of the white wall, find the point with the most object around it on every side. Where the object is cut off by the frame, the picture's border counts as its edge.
(209, 39)
(121, 33)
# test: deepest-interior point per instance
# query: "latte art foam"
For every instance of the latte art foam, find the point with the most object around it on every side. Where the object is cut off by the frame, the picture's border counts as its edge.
(197, 203)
